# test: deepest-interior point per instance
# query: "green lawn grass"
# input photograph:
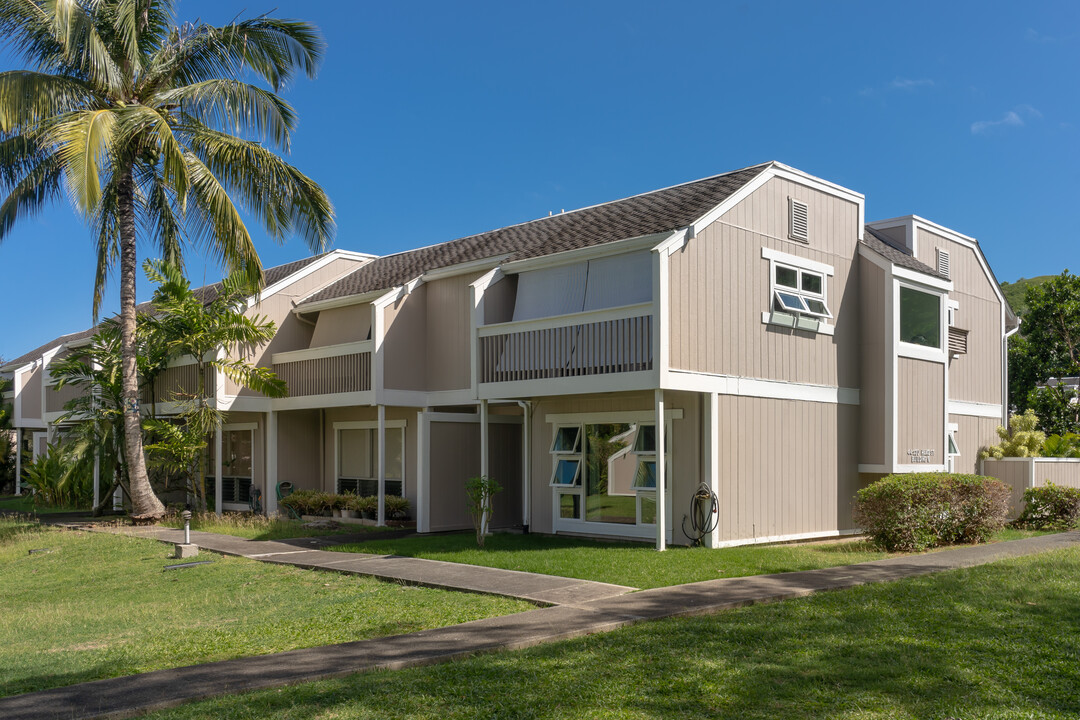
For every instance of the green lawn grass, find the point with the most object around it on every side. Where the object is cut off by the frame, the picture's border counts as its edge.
(25, 504)
(1000, 641)
(259, 527)
(97, 605)
(634, 564)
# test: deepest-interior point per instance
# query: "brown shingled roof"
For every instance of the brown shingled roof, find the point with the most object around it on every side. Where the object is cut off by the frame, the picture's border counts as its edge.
(881, 245)
(654, 212)
(207, 293)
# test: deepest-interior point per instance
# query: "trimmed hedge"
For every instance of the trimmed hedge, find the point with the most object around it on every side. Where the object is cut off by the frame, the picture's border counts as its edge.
(1050, 507)
(917, 511)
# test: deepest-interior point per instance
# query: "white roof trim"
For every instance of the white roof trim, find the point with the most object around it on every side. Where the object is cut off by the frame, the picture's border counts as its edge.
(308, 270)
(362, 299)
(464, 268)
(567, 257)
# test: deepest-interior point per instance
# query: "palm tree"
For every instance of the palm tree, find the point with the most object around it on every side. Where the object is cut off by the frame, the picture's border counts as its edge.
(185, 325)
(149, 129)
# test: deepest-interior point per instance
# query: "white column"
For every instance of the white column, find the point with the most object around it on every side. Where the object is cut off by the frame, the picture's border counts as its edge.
(661, 474)
(526, 466)
(18, 460)
(712, 455)
(484, 469)
(270, 495)
(382, 465)
(423, 477)
(97, 478)
(217, 470)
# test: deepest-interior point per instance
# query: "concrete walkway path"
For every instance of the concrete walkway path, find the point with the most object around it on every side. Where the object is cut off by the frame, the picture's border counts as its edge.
(126, 696)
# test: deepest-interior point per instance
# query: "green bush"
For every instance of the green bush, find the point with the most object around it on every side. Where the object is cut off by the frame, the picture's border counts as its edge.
(923, 510)
(59, 480)
(1050, 507)
(397, 508)
(307, 502)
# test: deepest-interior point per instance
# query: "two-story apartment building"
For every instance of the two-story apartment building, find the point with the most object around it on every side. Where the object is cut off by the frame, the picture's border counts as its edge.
(749, 332)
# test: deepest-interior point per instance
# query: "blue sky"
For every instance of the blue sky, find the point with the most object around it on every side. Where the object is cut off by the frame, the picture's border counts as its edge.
(434, 120)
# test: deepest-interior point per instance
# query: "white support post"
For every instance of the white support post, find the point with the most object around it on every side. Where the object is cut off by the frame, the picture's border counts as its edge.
(97, 478)
(661, 474)
(382, 465)
(423, 476)
(18, 460)
(712, 456)
(484, 469)
(218, 465)
(270, 496)
(526, 464)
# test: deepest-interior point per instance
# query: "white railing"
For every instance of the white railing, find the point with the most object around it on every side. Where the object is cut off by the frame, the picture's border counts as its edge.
(598, 342)
(326, 370)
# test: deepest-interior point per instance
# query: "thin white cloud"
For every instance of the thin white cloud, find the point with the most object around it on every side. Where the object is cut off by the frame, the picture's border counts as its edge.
(1013, 118)
(1033, 35)
(910, 84)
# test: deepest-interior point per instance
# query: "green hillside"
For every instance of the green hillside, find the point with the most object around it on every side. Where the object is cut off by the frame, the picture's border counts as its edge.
(1015, 291)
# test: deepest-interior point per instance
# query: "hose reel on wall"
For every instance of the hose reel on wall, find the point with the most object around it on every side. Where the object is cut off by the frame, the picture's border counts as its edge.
(704, 514)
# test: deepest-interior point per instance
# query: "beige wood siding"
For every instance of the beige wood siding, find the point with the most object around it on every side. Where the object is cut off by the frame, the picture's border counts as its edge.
(455, 457)
(499, 300)
(291, 333)
(786, 467)
(720, 285)
(449, 337)
(298, 449)
(920, 413)
(975, 376)
(370, 414)
(405, 342)
(1059, 471)
(875, 293)
(1014, 472)
(56, 398)
(972, 435)
(338, 326)
(30, 394)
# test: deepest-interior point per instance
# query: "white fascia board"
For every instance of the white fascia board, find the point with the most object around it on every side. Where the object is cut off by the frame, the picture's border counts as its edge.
(759, 387)
(363, 398)
(391, 296)
(577, 255)
(975, 409)
(463, 268)
(805, 178)
(967, 241)
(734, 199)
(323, 351)
(674, 242)
(331, 303)
(303, 272)
(487, 279)
(584, 385)
(919, 278)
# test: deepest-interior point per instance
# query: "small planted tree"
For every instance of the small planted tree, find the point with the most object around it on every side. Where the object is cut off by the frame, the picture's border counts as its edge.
(478, 492)
(1021, 439)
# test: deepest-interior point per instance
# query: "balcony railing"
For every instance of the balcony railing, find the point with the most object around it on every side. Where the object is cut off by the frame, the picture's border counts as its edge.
(326, 370)
(590, 343)
(178, 381)
(55, 399)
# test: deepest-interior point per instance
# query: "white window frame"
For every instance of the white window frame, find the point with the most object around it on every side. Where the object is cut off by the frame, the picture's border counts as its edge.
(798, 319)
(915, 350)
(398, 425)
(950, 440)
(252, 428)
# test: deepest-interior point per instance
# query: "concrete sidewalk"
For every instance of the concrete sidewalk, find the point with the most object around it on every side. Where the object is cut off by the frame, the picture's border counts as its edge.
(540, 589)
(125, 696)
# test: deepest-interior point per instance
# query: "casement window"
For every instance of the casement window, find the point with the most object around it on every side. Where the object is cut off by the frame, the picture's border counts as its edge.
(799, 291)
(358, 460)
(605, 472)
(952, 452)
(920, 317)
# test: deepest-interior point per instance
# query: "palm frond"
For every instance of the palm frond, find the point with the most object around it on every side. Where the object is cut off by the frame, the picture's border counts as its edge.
(235, 107)
(27, 98)
(145, 128)
(286, 200)
(260, 379)
(75, 28)
(83, 140)
(40, 185)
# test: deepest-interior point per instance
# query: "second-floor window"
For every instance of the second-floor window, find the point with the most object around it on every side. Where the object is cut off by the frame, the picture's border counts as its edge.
(800, 291)
(920, 317)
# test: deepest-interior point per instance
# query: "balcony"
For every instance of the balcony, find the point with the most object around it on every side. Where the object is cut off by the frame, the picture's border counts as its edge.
(610, 342)
(56, 398)
(328, 370)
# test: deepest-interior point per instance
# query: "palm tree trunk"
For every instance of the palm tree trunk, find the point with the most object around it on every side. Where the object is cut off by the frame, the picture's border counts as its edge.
(145, 504)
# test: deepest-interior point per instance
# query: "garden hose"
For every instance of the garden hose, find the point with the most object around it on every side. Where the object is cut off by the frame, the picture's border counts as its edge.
(704, 514)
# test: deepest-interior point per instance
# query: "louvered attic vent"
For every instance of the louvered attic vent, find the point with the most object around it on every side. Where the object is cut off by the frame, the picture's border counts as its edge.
(798, 225)
(943, 262)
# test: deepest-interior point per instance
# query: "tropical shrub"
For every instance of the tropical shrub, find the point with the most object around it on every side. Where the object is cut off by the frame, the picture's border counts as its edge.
(307, 502)
(478, 494)
(923, 510)
(1067, 445)
(1021, 439)
(397, 508)
(1050, 507)
(58, 480)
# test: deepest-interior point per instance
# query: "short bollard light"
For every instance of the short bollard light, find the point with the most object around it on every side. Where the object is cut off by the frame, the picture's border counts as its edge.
(186, 549)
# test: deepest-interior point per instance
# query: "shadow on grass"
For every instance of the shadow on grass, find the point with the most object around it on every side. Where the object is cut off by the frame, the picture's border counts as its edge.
(991, 641)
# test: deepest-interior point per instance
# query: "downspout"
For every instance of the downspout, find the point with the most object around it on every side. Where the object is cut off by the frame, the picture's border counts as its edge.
(526, 465)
